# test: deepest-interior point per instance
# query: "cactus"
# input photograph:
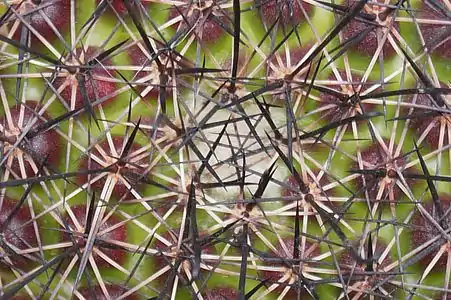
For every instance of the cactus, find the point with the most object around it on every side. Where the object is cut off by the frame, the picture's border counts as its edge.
(288, 149)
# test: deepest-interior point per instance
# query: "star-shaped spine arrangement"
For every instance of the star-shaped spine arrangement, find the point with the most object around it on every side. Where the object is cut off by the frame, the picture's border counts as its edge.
(225, 149)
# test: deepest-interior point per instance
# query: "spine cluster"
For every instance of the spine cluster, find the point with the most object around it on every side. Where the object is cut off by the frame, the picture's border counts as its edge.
(225, 149)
